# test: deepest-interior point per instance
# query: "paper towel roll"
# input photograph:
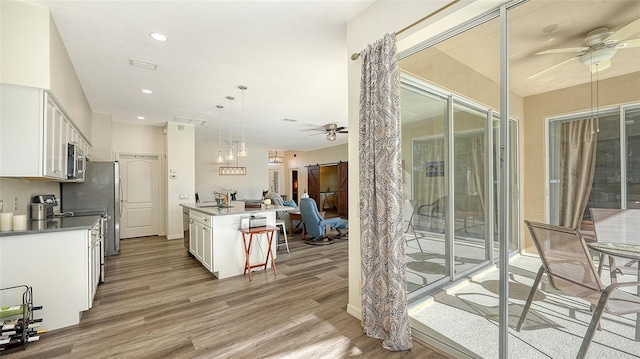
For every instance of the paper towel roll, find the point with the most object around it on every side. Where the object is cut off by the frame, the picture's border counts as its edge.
(6, 221)
(20, 222)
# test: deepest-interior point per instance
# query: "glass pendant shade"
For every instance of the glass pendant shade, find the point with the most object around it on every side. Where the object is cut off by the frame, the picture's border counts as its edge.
(243, 150)
(220, 159)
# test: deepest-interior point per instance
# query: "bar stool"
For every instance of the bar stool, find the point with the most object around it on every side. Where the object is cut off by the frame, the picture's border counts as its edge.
(280, 222)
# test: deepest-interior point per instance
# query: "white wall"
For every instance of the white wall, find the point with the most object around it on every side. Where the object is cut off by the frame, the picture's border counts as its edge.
(181, 174)
(102, 138)
(208, 179)
(24, 190)
(364, 29)
(65, 85)
(34, 55)
(127, 138)
(25, 44)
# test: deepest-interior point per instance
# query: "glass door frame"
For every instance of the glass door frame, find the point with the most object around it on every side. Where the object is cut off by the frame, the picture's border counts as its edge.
(490, 115)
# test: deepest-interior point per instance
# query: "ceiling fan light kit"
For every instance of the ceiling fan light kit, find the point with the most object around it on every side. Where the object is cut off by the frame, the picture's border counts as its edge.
(331, 130)
(597, 56)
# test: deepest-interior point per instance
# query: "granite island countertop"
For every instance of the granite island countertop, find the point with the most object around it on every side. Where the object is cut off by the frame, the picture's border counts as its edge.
(212, 209)
(55, 225)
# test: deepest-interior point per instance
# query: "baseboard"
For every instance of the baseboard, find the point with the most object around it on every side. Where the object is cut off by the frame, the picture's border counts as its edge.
(439, 343)
(354, 311)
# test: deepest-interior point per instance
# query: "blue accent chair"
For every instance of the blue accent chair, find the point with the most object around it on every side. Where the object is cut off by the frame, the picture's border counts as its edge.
(316, 226)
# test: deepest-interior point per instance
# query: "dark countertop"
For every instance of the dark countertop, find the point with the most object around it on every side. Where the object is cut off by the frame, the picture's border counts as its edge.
(55, 225)
(211, 209)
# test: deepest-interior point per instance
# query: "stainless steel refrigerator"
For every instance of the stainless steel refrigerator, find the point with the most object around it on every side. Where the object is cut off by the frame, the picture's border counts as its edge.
(100, 190)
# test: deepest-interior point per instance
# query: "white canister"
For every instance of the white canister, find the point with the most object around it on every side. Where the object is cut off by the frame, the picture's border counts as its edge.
(6, 221)
(20, 222)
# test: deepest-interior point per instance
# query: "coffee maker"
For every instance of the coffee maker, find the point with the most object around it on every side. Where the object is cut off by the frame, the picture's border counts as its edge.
(42, 206)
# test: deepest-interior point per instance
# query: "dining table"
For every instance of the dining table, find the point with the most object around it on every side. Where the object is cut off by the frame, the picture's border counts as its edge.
(618, 235)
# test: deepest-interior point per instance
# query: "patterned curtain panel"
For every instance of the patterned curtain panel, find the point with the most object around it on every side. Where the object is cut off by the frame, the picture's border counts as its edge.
(384, 293)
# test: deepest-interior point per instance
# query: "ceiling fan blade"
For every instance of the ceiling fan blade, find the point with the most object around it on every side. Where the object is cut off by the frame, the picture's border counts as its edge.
(319, 133)
(563, 50)
(343, 131)
(552, 67)
(626, 31)
(629, 43)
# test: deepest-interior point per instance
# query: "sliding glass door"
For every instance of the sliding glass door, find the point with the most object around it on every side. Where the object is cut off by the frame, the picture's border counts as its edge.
(449, 147)
(609, 169)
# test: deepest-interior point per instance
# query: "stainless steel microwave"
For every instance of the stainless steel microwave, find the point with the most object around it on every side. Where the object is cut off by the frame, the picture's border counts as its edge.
(76, 163)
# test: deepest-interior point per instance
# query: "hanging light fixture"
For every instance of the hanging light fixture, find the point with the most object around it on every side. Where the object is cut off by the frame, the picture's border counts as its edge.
(230, 155)
(276, 158)
(220, 159)
(243, 145)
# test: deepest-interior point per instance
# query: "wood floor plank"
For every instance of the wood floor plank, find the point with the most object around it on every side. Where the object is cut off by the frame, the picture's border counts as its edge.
(158, 302)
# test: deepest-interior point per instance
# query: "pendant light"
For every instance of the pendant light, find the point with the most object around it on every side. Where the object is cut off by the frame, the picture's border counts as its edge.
(230, 155)
(220, 159)
(243, 145)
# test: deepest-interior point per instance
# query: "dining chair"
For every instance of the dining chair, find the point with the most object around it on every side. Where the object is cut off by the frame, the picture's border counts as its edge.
(408, 211)
(570, 269)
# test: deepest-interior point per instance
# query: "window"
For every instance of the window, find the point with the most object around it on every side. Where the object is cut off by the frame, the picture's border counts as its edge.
(616, 163)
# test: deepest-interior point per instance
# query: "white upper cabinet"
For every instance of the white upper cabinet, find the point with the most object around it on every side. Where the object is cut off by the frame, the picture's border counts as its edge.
(34, 134)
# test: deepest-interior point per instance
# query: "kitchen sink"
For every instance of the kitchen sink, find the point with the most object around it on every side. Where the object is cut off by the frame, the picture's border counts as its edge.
(214, 206)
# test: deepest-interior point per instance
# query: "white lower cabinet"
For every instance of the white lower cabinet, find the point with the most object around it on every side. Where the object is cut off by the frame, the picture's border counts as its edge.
(216, 242)
(200, 243)
(59, 267)
(95, 241)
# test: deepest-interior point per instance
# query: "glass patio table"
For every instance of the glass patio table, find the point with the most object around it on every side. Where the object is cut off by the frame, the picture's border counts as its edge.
(618, 235)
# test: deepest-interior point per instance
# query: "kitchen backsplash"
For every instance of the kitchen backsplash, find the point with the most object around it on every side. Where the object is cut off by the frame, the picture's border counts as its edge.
(24, 190)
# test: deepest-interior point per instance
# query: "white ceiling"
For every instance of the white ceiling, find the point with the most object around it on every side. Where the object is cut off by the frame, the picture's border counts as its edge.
(292, 56)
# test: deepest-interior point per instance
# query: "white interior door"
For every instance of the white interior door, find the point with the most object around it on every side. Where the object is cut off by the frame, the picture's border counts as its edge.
(140, 174)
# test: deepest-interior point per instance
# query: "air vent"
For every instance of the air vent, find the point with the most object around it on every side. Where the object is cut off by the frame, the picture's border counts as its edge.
(191, 121)
(289, 120)
(143, 64)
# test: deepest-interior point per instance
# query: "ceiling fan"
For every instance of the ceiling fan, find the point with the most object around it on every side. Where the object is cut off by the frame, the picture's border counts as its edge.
(330, 130)
(598, 48)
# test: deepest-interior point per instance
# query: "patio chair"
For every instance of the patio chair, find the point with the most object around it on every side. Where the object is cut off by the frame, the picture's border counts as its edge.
(408, 210)
(435, 213)
(567, 262)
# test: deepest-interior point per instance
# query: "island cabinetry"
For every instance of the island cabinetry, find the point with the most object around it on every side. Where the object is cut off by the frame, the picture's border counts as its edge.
(215, 241)
(201, 239)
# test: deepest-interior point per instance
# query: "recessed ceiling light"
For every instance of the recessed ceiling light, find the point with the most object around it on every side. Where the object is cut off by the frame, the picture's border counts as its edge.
(158, 36)
(146, 91)
(140, 117)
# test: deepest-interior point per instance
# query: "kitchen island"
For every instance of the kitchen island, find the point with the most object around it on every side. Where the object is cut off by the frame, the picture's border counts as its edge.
(214, 238)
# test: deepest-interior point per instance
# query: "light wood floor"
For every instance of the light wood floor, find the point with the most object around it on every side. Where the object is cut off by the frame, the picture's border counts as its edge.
(157, 302)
